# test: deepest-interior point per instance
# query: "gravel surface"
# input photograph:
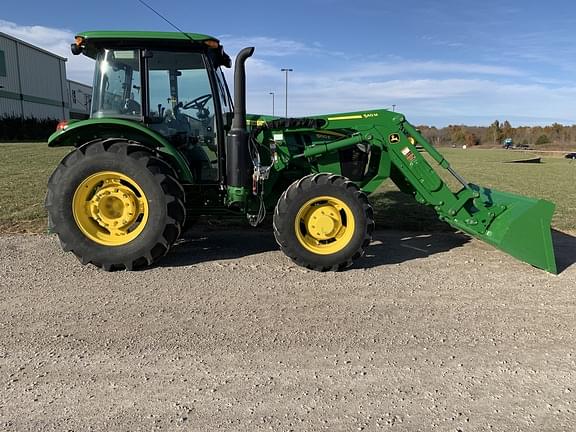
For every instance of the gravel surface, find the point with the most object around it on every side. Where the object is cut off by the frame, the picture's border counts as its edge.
(428, 332)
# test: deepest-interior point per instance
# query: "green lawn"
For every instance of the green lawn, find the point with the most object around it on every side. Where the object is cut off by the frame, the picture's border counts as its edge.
(25, 168)
(24, 172)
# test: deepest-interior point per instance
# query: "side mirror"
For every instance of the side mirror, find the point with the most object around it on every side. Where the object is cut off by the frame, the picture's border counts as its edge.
(76, 49)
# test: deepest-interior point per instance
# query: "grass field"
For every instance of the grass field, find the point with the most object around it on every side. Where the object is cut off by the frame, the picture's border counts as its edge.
(25, 168)
(24, 171)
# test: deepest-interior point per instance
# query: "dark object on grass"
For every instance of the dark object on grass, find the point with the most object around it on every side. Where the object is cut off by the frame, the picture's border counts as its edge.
(570, 155)
(530, 160)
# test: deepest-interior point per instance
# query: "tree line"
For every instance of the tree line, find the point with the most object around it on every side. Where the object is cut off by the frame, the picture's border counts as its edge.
(554, 135)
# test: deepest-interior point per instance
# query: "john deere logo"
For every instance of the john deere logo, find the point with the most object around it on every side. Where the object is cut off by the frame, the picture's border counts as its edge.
(394, 138)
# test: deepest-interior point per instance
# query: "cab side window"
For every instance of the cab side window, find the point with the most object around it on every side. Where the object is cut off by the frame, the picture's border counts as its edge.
(182, 109)
(117, 84)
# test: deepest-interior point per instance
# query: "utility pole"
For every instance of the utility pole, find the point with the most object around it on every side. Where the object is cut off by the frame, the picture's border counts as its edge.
(272, 93)
(286, 70)
(393, 107)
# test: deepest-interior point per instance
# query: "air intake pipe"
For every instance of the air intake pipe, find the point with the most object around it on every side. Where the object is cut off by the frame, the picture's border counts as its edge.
(238, 164)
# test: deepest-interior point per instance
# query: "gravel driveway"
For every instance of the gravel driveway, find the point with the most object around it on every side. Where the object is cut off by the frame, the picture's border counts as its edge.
(428, 332)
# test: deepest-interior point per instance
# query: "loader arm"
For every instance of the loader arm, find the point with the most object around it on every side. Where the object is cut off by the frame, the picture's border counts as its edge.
(518, 225)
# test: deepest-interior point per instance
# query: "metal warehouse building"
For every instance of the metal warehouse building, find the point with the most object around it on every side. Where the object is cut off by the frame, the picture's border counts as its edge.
(33, 83)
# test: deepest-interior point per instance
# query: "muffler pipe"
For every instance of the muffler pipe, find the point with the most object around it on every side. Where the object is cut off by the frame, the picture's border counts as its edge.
(238, 163)
(239, 121)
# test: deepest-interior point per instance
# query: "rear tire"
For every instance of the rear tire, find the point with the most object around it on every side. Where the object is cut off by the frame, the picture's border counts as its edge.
(323, 222)
(114, 203)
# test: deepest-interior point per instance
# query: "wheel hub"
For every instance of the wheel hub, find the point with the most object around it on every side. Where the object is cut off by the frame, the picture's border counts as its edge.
(110, 208)
(323, 222)
(324, 225)
(114, 206)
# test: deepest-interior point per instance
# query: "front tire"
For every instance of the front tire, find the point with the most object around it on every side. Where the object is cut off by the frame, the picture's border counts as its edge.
(115, 204)
(323, 222)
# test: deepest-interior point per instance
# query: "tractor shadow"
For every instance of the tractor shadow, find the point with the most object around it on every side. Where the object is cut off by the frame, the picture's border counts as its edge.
(395, 247)
(406, 231)
(564, 249)
(205, 243)
(390, 247)
(387, 247)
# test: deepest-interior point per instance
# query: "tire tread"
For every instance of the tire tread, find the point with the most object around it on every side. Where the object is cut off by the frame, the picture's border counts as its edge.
(163, 175)
(282, 226)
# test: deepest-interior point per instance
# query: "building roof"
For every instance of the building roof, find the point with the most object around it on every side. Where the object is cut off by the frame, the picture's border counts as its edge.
(79, 83)
(20, 41)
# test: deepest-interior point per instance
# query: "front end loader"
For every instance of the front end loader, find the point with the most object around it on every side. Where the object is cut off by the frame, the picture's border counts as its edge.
(165, 143)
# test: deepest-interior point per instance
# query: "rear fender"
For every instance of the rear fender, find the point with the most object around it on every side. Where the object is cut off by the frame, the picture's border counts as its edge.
(80, 132)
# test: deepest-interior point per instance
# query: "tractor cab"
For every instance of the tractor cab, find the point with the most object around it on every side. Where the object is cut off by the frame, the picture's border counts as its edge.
(174, 87)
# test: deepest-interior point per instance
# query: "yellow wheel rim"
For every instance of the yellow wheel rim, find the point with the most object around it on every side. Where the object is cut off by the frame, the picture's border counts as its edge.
(110, 208)
(324, 225)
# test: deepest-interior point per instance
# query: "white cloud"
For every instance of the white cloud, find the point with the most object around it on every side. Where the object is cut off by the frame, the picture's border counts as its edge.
(272, 47)
(405, 67)
(431, 92)
(424, 100)
(57, 41)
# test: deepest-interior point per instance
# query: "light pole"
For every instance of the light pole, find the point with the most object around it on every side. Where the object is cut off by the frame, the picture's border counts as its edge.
(272, 93)
(286, 70)
(393, 107)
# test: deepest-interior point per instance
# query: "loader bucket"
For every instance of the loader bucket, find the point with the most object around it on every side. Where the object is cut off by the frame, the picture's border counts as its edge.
(522, 229)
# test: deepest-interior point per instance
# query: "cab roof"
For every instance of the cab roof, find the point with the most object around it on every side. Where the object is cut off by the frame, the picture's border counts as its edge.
(90, 41)
(140, 36)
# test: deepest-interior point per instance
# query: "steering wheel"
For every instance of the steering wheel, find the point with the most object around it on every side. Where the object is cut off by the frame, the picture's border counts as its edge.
(198, 103)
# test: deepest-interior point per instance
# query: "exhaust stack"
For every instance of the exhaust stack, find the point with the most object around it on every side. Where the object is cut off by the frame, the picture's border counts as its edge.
(238, 163)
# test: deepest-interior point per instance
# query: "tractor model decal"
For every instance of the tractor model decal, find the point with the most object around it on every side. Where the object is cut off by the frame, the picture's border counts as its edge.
(349, 117)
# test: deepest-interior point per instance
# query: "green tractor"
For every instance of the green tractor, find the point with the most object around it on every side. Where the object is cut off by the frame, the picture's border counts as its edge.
(165, 143)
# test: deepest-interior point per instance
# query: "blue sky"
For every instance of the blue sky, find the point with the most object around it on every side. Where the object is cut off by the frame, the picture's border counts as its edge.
(440, 62)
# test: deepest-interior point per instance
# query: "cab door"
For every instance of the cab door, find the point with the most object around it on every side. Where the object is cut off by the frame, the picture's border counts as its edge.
(182, 109)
